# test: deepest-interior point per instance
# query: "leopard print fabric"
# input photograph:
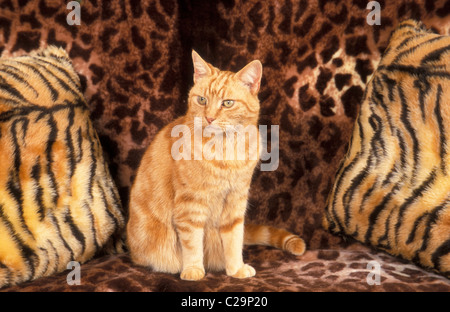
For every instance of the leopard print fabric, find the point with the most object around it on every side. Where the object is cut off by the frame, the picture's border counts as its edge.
(133, 58)
(318, 270)
(130, 87)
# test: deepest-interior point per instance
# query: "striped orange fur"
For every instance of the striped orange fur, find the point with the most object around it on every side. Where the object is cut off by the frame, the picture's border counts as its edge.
(188, 214)
(58, 202)
(392, 189)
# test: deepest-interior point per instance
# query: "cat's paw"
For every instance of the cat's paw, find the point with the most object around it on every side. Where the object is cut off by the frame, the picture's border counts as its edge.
(192, 273)
(295, 245)
(243, 272)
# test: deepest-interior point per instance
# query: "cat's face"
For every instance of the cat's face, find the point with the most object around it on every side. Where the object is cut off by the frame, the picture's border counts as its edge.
(222, 98)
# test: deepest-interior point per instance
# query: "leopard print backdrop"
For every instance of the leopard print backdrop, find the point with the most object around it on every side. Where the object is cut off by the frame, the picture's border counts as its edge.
(133, 58)
(127, 55)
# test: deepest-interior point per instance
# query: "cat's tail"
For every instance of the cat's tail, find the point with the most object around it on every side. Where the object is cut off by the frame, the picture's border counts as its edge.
(270, 236)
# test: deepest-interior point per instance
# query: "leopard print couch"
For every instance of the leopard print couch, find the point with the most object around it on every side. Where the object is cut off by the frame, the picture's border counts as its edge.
(133, 60)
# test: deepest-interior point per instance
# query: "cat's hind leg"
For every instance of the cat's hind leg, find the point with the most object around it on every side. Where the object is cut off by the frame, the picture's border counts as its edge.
(214, 258)
(154, 244)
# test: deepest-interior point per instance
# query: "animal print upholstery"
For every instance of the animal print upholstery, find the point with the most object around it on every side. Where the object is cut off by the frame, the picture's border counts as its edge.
(390, 189)
(134, 60)
(58, 202)
(318, 270)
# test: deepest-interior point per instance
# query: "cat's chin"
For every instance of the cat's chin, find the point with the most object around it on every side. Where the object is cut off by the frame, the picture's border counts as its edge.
(214, 128)
(224, 128)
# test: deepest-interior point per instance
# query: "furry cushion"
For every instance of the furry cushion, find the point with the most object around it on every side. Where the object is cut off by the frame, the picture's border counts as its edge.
(58, 202)
(393, 187)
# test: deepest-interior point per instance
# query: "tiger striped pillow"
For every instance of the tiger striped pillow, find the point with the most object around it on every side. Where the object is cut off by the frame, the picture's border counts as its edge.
(58, 202)
(392, 189)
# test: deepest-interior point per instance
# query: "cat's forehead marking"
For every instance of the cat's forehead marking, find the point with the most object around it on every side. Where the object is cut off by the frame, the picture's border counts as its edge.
(218, 84)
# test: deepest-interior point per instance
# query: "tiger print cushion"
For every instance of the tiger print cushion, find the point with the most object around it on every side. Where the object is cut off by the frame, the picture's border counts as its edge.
(58, 202)
(392, 189)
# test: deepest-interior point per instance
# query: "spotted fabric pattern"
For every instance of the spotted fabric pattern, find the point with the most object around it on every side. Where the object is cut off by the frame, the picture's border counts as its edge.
(134, 60)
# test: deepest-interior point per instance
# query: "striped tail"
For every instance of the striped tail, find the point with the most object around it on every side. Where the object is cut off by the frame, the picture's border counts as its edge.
(270, 236)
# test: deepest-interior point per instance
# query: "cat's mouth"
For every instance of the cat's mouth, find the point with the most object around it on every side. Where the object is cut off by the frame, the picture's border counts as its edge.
(218, 126)
(223, 128)
(214, 127)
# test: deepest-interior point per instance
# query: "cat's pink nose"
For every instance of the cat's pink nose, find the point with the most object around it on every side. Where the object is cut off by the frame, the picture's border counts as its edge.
(210, 120)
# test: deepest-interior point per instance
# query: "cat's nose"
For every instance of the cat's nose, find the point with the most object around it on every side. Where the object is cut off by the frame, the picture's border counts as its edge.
(210, 120)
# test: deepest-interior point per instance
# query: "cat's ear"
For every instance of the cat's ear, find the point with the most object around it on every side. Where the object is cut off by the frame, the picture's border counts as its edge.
(201, 68)
(251, 75)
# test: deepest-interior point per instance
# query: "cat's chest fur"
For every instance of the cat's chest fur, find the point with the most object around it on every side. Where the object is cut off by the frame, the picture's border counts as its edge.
(214, 177)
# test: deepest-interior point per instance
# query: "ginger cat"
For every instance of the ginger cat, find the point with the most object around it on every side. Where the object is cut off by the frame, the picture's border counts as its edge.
(187, 213)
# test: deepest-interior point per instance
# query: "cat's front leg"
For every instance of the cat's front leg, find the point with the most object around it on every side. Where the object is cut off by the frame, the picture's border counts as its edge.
(189, 223)
(232, 235)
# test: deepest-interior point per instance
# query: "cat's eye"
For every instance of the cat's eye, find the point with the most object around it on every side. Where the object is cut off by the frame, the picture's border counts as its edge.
(202, 100)
(228, 103)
